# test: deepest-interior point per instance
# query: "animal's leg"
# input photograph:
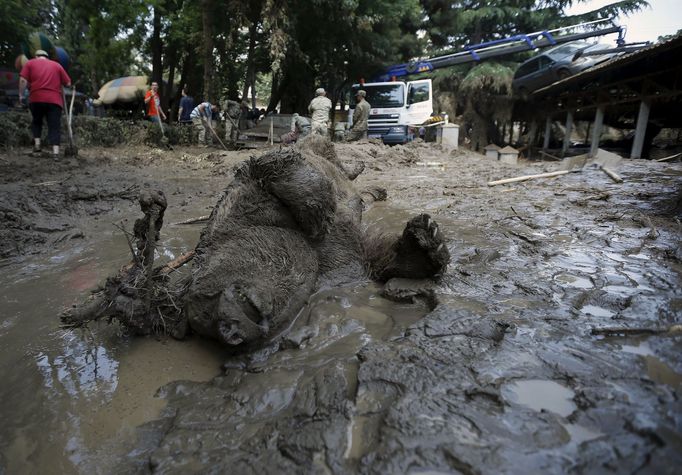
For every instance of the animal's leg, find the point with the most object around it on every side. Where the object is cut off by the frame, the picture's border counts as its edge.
(419, 253)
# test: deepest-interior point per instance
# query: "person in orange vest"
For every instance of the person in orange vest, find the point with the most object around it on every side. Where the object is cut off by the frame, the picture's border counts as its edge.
(153, 102)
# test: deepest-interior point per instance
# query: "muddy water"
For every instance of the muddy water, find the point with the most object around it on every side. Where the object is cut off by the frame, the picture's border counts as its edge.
(66, 393)
(70, 401)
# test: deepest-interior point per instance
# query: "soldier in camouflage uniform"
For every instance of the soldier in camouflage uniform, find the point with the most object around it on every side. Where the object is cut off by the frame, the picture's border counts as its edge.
(359, 128)
(232, 112)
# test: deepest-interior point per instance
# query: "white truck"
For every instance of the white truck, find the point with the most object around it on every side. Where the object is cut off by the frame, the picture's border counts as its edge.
(396, 108)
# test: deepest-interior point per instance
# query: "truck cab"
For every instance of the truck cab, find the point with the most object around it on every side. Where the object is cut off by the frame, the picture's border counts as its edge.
(396, 106)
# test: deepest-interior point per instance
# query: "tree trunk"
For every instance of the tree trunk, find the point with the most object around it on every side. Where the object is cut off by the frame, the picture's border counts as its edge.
(276, 92)
(207, 26)
(157, 66)
(168, 95)
(250, 64)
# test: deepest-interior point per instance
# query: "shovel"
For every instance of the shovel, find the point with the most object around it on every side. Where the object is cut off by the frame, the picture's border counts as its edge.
(208, 124)
(71, 150)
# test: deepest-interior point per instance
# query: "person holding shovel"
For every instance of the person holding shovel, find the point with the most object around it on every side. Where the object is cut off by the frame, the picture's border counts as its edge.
(153, 102)
(201, 119)
(232, 113)
(45, 79)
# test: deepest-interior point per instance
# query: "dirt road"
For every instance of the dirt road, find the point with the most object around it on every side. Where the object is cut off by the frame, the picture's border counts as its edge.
(555, 347)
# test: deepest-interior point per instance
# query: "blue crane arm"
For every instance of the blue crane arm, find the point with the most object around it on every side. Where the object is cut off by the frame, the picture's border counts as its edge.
(501, 47)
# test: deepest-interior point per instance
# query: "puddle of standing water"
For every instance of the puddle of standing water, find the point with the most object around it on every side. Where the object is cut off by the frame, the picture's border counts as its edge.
(569, 280)
(596, 311)
(64, 394)
(539, 394)
(657, 370)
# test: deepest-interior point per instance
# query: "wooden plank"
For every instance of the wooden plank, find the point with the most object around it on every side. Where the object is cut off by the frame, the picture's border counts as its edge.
(530, 177)
(665, 159)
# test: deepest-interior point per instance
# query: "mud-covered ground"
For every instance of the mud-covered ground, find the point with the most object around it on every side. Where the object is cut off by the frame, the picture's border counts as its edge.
(555, 347)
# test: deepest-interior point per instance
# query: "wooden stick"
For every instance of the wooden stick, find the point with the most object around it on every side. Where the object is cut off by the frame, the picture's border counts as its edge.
(613, 175)
(530, 177)
(175, 264)
(665, 159)
(628, 331)
(194, 220)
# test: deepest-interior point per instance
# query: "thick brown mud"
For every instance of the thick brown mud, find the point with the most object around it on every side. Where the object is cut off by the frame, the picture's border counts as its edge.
(555, 347)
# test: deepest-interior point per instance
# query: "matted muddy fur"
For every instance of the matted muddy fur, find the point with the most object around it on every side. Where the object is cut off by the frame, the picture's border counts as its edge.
(288, 223)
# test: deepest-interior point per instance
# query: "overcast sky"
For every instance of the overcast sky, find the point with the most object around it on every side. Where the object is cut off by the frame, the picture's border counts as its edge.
(663, 17)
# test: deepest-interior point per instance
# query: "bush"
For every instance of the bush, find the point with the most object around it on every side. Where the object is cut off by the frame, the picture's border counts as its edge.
(89, 131)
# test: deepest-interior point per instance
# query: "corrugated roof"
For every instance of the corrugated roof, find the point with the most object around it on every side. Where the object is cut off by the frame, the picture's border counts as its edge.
(508, 149)
(612, 64)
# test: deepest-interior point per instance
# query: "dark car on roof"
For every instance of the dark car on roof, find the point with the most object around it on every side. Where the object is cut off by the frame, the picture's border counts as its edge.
(557, 63)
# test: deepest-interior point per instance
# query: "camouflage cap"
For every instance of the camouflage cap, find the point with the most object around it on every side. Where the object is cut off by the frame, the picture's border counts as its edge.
(361, 93)
(319, 91)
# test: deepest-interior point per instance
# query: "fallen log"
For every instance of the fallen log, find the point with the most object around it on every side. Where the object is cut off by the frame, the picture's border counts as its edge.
(531, 177)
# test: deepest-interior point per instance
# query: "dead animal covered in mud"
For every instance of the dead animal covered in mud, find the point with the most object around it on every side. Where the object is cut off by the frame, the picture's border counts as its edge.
(288, 224)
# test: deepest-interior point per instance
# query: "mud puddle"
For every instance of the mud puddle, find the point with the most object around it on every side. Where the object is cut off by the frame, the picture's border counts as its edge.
(71, 401)
(66, 394)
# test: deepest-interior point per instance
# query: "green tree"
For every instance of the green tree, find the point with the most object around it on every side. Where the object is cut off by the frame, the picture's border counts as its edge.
(17, 20)
(102, 38)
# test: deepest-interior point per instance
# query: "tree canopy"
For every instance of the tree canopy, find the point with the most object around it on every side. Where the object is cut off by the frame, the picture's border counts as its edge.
(280, 49)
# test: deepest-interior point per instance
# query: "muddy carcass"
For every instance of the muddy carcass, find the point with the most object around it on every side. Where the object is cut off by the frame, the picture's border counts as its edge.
(288, 223)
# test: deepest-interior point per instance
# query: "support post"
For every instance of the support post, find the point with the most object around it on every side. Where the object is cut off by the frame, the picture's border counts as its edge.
(548, 132)
(569, 131)
(640, 130)
(532, 134)
(596, 130)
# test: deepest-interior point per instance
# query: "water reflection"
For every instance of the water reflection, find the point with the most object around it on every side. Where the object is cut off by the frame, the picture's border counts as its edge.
(65, 394)
(83, 370)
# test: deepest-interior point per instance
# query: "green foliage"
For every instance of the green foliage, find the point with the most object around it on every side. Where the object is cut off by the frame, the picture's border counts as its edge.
(15, 131)
(102, 38)
(19, 18)
(453, 24)
(488, 77)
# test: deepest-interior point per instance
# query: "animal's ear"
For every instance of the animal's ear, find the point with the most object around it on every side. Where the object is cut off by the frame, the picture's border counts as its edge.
(306, 191)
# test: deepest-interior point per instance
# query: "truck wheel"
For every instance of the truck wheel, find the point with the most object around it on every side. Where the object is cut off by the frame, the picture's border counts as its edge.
(563, 74)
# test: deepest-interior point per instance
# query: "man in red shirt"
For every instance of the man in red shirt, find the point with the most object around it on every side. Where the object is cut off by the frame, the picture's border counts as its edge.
(45, 79)
(154, 103)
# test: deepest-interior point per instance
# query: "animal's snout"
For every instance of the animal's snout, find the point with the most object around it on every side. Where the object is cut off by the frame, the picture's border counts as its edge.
(242, 316)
